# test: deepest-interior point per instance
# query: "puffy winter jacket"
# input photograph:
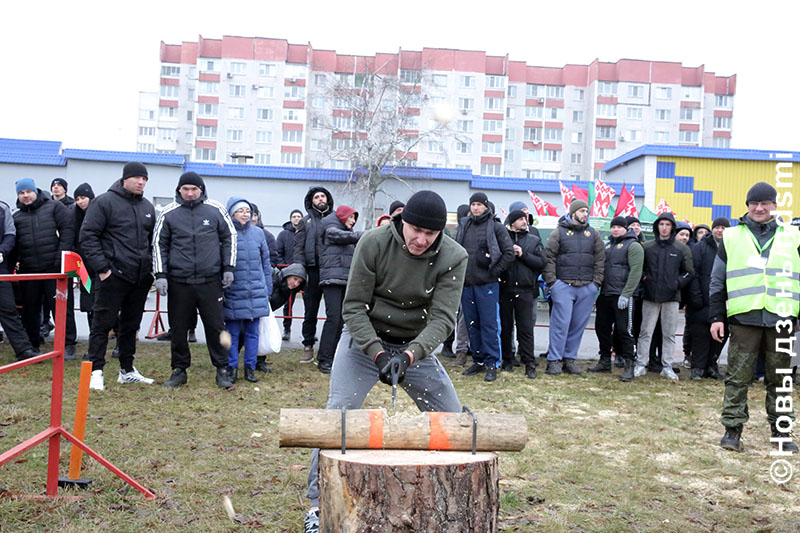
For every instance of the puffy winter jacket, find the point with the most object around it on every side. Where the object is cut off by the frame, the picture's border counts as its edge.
(488, 247)
(44, 230)
(280, 288)
(703, 254)
(623, 266)
(523, 273)
(667, 266)
(336, 253)
(194, 241)
(575, 254)
(285, 244)
(248, 296)
(9, 237)
(117, 234)
(308, 238)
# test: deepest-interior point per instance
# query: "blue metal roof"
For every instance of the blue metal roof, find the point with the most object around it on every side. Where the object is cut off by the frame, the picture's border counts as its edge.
(317, 174)
(33, 159)
(541, 185)
(702, 152)
(28, 146)
(124, 157)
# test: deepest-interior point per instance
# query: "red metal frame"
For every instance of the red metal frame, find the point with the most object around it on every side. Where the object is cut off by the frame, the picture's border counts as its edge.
(54, 433)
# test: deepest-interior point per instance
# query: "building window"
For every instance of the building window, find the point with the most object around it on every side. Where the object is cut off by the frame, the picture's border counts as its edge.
(168, 112)
(149, 132)
(169, 91)
(493, 104)
(635, 91)
(664, 93)
(508, 155)
(339, 144)
(236, 113)
(551, 175)
(466, 104)
(579, 95)
(170, 71)
(166, 134)
(238, 67)
(723, 123)
(464, 126)
(634, 113)
(466, 81)
(340, 164)
(261, 159)
(292, 136)
(291, 115)
(607, 110)
(510, 134)
(606, 132)
(207, 110)
(147, 114)
(533, 134)
(263, 137)
(691, 115)
(512, 91)
(409, 76)
(723, 100)
(316, 123)
(495, 82)
(488, 169)
(295, 92)
(577, 116)
(235, 135)
(692, 93)
(317, 145)
(534, 91)
(531, 174)
(555, 91)
(266, 70)
(206, 132)
(435, 146)
(290, 158)
(552, 155)
(208, 65)
(722, 142)
(439, 80)
(607, 88)
(532, 111)
(319, 80)
(553, 134)
(341, 123)
(145, 147)
(205, 154)
(491, 126)
(529, 155)
(576, 159)
(318, 102)
(577, 136)
(689, 136)
(463, 147)
(632, 136)
(190, 115)
(603, 154)
(190, 95)
(208, 87)
(554, 113)
(264, 114)
(661, 136)
(266, 92)
(511, 112)
(491, 148)
(187, 137)
(663, 114)
(236, 91)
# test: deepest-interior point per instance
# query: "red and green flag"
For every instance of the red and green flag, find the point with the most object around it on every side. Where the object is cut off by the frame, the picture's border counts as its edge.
(72, 264)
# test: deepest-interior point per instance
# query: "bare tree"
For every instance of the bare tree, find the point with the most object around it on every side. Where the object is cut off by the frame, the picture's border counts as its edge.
(372, 124)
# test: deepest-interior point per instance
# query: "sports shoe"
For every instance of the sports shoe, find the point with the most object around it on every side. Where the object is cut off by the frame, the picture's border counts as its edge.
(177, 378)
(697, 374)
(191, 336)
(133, 377)
(311, 522)
(570, 368)
(461, 359)
(668, 373)
(308, 354)
(223, 378)
(639, 371)
(530, 371)
(69, 353)
(250, 374)
(286, 335)
(554, 368)
(491, 375)
(96, 383)
(474, 369)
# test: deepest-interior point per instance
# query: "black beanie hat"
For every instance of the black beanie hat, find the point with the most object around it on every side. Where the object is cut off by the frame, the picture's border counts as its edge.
(425, 209)
(515, 215)
(462, 211)
(84, 189)
(60, 181)
(721, 221)
(761, 192)
(134, 168)
(479, 197)
(295, 211)
(191, 178)
(395, 205)
(619, 221)
(630, 220)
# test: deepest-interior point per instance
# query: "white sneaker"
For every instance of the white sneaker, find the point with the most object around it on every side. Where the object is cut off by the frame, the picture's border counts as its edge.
(667, 372)
(96, 383)
(639, 371)
(133, 377)
(311, 522)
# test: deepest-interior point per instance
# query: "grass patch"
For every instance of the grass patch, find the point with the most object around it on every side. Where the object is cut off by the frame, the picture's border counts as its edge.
(602, 455)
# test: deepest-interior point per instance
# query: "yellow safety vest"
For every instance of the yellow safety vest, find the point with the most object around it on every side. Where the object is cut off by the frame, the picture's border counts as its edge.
(755, 282)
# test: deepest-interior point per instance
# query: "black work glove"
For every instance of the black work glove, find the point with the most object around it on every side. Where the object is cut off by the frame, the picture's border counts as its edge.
(392, 362)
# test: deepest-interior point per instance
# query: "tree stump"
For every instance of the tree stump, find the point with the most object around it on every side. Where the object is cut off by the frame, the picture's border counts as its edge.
(408, 490)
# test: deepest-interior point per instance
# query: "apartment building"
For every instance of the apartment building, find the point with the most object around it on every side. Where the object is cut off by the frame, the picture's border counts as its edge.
(260, 101)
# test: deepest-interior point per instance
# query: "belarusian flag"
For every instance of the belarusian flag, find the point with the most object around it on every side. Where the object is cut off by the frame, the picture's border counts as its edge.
(72, 264)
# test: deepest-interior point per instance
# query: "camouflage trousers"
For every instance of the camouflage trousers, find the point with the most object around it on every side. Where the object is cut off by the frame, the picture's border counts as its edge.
(745, 344)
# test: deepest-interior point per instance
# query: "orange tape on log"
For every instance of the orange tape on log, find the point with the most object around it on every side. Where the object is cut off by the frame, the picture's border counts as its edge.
(439, 440)
(375, 430)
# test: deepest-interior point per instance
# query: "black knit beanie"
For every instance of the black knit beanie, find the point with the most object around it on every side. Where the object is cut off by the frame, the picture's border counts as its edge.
(425, 209)
(619, 221)
(84, 189)
(60, 181)
(132, 169)
(395, 205)
(761, 192)
(721, 221)
(295, 211)
(479, 197)
(191, 178)
(630, 220)
(515, 215)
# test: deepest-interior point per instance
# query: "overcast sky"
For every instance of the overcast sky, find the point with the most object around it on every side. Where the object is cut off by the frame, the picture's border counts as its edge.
(72, 71)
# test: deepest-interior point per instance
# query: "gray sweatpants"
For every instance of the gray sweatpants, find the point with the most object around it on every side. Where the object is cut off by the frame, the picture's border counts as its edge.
(354, 374)
(669, 325)
(462, 337)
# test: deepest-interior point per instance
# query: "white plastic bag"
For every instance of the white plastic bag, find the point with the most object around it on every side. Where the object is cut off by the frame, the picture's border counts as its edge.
(269, 335)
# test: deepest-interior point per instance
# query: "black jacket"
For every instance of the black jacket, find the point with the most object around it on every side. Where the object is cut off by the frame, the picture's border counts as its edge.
(523, 273)
(44, 230)
(703, 254)
(9, 237)
(280, 288)
(285, 244)
(308, 238)
(667, 266)
(67, 200)
(336, 252)
(117, 234)
(273, 248)
(194, 241)
(488, 247)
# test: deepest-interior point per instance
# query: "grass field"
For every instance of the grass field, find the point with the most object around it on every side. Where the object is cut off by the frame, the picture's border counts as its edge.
(602, 455)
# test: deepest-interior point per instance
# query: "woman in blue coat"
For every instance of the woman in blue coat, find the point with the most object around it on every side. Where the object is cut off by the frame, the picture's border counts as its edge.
(247, 299)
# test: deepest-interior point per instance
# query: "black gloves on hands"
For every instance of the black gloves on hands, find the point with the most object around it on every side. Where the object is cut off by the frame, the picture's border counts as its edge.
(392, 363)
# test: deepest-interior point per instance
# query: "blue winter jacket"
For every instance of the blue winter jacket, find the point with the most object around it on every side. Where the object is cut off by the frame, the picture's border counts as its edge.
(248, 296)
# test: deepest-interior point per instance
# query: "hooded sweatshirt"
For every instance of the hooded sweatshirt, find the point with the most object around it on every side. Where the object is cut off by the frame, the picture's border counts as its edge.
(308, 237)
(668, 266)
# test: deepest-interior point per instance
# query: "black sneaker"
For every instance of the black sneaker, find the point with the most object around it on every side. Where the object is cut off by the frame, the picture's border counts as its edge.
(507, 366)
(191, 336)
(262, 366)
(115, 352)
(250, 374)
(324, 367)
(233, 373)
(491, 375)
(474, 369)
(697, 374)
(223, 378)
(732, 439)
(69, 353)
(286, 335)
(177, 378)
(27, 354)
(166, 336)
(530, 372)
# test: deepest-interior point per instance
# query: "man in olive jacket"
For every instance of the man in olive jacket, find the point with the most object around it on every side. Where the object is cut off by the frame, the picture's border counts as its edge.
(401, 301)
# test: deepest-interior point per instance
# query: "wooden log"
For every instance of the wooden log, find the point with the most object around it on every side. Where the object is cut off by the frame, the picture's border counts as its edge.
(372, 429)
(408, 490)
